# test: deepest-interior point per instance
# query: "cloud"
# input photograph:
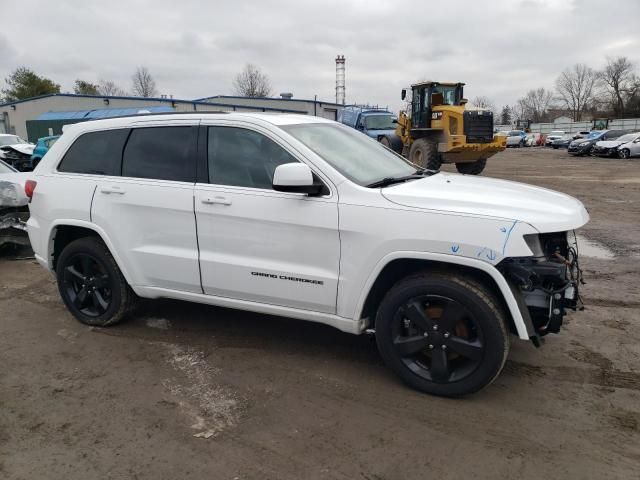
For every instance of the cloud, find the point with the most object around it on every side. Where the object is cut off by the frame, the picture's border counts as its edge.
(195, 48)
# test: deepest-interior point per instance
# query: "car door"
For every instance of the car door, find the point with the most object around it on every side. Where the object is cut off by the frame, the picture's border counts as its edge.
(257, 244)
(147, 209)
(634, 148)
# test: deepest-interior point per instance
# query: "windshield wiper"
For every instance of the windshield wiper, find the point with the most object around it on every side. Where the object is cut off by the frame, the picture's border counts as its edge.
(421, 173)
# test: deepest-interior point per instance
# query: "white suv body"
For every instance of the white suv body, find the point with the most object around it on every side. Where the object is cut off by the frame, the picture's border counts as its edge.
(217, 231)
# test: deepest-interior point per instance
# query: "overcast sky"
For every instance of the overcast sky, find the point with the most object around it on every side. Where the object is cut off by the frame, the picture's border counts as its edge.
(194, 48)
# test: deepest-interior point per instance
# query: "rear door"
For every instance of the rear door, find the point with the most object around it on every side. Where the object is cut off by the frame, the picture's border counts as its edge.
(147, 210)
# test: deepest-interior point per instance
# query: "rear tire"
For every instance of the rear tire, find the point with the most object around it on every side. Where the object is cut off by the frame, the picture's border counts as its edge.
(443, 334)
(472, 168)
(424, 154)
(91, 284)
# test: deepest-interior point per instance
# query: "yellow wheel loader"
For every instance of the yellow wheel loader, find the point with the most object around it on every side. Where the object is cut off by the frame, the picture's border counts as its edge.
(439, 129)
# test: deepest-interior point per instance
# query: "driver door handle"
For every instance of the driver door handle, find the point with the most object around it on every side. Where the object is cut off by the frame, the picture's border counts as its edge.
(112, 189)
(216, 200)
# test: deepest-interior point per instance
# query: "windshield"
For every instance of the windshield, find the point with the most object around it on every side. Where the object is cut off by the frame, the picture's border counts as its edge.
(629, 137)
(515, 133)
(380, 122)
(358, 157)
(10, 140)
(4, 168)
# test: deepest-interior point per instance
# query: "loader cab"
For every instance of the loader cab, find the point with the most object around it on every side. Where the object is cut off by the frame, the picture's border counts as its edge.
(427, 95)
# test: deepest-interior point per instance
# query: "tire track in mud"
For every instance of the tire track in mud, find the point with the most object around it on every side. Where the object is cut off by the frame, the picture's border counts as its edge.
(602, 377)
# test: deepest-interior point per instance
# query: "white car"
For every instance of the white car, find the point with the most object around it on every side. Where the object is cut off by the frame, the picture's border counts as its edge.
(306, 218)
(15, 151)
(554, 135)
(610, 147)
(13, 205)
(516, 138)
(631, 148)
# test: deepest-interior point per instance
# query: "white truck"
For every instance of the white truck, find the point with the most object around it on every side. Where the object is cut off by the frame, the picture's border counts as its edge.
(306, 218)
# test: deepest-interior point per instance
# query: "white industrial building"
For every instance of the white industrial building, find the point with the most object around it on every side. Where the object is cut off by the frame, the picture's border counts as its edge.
(14, 115)
(316, 108)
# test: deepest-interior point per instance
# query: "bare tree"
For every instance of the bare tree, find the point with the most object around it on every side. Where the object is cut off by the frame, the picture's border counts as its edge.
(484, 102)
(109, 88)
(251, 82)
(535, 104)
(575, 88)
(143, 83)
(617, 76)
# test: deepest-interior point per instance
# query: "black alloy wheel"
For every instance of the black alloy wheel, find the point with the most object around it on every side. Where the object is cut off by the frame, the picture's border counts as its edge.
(442, 333)
(437, 338)
(91, 283)
(88, 285)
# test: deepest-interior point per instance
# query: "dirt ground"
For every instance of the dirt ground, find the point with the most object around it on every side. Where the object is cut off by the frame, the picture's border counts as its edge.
(280, 399)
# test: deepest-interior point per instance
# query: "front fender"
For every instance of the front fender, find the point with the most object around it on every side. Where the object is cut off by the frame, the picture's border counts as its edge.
(507, 293)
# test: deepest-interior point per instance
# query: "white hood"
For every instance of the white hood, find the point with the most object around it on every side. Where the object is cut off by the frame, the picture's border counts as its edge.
(609, 143)
(543, 209)
(25, 148)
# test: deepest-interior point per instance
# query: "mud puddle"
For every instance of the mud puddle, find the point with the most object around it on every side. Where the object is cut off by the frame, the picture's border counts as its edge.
(592, 249)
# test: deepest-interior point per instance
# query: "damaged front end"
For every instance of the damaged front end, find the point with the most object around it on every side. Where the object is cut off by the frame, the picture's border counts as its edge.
(18, 156)
(546, 284)
(14, 213)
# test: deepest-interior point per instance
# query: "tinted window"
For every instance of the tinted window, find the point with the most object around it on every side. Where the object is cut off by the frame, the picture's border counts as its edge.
(97, 153)
(243, 158)
(162, 153)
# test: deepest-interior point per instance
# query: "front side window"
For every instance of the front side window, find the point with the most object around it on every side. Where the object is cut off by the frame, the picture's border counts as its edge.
(243, 158)
(95, 153)
(358, 157)
(161, 153)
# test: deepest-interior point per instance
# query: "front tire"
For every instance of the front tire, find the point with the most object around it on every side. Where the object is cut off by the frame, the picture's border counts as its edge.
(424, 153)
(624, 153)
(443, 334)
(472, 168)
(91, 284)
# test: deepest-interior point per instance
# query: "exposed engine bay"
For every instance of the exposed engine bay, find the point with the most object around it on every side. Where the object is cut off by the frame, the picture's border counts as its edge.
(548, 282)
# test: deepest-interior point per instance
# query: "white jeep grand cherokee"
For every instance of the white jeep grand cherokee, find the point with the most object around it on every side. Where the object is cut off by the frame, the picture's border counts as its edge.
(306, 218)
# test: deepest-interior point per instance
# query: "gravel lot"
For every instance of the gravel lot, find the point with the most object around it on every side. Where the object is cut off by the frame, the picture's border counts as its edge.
(188, 391)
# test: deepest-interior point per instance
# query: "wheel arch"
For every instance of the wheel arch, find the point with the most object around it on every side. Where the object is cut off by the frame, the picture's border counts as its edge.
(64, 232)
(397, 266)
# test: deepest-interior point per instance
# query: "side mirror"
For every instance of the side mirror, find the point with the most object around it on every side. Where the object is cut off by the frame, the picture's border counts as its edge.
(395, 120)
(360, 126)
(403, 94)
(295, 178)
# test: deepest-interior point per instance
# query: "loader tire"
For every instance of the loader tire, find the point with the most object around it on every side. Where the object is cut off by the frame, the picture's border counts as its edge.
(472, 168)
(424, 154)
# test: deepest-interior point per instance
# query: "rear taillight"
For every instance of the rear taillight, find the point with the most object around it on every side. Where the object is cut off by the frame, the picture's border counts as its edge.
(29, 188)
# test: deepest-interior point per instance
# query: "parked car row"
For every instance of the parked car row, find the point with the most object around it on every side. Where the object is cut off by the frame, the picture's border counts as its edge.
(604, 143)
(607, 143)
(22, 155)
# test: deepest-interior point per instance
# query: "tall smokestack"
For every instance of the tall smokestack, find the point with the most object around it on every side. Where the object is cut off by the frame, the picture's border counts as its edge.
(340, 89)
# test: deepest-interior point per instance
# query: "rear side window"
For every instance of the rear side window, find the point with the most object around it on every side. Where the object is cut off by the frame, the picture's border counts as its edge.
(96, 153)
(162, 153)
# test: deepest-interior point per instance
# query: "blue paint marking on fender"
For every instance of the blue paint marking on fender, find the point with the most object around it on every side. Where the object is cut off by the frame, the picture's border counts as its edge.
(487, 253)
(455, 248)
(504, 246)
